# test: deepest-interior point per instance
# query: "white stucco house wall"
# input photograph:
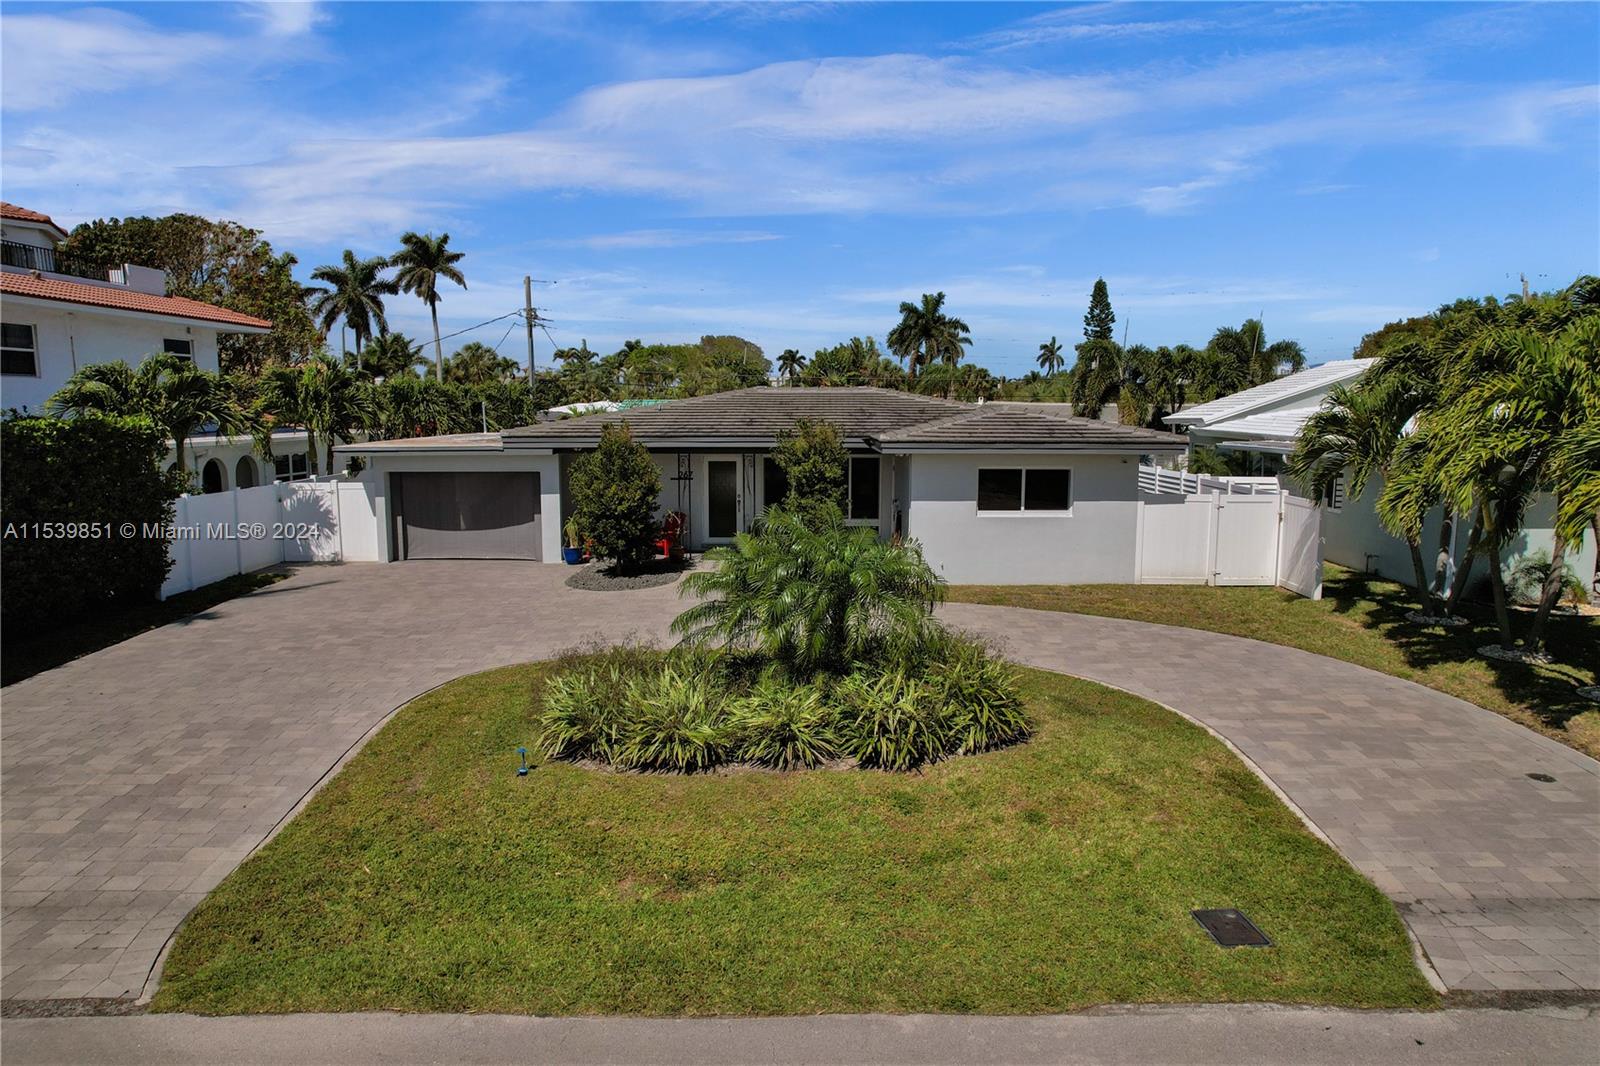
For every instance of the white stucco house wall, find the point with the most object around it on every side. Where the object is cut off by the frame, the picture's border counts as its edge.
(995, 493)
(1264, 422)
(59, 316)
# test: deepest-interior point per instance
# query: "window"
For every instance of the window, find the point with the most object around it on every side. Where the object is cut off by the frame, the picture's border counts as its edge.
(774, 482)
(18, 354)
(864, 489)
(183, 349)
(244, 473)
(1333, 497)
(291, 467)
(1034, 489)
(212, 478)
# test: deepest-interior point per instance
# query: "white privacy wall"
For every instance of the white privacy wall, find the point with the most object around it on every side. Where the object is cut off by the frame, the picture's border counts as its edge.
(1093, 545)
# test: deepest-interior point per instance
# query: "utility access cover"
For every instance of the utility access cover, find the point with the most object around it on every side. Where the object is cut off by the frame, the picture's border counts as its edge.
(1231, 928)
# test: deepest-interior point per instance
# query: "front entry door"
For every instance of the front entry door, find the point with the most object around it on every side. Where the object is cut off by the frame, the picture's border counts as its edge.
(722, 499)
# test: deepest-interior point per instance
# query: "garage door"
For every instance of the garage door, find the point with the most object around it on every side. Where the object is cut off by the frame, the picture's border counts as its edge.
(467, 516)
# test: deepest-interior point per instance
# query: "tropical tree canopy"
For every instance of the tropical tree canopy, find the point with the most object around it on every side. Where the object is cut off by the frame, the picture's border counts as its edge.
(926, 335)
(1050, 358)
(476, 363)
(177, 397)
(329, 400)
(423, 261)
(355, 292)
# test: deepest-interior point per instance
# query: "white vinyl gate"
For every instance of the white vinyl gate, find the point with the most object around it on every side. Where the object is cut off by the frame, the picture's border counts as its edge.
(1217, 538)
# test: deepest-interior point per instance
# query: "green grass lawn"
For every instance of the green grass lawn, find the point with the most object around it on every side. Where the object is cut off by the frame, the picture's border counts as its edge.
(1052, 875)
(1361, 619)
(23, 658)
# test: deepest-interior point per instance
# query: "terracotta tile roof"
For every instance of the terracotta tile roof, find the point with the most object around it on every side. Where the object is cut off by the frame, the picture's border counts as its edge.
(42, 288)
(22, 214)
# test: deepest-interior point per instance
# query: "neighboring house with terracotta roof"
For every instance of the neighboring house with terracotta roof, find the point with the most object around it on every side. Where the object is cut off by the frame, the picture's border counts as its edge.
(994, 492)
(58, 315)
(1263, 423)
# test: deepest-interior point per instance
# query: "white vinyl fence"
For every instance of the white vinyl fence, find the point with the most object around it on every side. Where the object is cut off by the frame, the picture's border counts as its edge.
(1160, 479)
(222, 534)
(1221, 538)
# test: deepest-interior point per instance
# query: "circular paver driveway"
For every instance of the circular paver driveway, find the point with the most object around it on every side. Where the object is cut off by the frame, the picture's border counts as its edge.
(132, 781)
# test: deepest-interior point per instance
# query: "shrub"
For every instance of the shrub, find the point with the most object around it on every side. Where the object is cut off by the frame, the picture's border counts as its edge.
(981, 693)
(813, 595)
(1525, 583)
(91, 469)
(784, 726)
(893, 721)
(813, 459)
(673, 721)
(614, 492)
(582, 715)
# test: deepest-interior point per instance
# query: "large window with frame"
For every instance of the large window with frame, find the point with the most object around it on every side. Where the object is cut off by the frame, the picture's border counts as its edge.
(19, 351)
(292, 467)
(1012, 489)
(864, 479)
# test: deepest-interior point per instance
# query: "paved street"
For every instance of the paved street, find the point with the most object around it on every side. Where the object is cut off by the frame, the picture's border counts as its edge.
(1233, 1035)
(135, 779)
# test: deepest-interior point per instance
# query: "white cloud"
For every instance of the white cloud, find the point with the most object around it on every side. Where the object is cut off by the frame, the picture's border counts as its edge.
(667, 238)
(285, 18)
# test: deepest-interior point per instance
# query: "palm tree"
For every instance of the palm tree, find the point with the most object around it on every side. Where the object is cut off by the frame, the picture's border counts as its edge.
(1360, 429)
(475, 363)
(926, 335)
(790, 364)
(419, 407)
(172, 393)
(356, 295)
(325, 398)
(1050, 358)
(391, 355)
(1096, 377)
(424, 260)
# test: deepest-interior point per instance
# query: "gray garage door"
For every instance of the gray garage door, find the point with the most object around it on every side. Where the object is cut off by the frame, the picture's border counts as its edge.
(467, 516)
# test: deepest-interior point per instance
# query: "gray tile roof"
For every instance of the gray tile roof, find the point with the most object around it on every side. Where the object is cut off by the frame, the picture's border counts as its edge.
(1009, 427)
(746, 417)
(452, 442)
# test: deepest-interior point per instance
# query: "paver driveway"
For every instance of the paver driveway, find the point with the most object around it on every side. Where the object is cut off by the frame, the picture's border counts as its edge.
(134, 780)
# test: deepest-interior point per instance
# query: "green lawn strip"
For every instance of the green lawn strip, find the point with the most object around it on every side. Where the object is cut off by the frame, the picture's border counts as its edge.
(1048, 876)
(1361, 620)
(24, 658)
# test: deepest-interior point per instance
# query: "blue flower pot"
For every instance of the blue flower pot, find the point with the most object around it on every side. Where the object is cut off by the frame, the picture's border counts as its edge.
(572, 556)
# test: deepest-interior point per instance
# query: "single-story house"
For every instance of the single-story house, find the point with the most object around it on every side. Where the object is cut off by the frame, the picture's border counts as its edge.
(1264, 422)
(994, 492)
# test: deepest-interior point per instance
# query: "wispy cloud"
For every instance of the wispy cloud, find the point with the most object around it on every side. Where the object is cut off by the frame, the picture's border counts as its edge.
(666, 238)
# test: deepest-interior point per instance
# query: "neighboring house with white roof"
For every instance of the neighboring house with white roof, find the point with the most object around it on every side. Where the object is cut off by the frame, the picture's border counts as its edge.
(1264, 423)
(59, 315)
(995, 493)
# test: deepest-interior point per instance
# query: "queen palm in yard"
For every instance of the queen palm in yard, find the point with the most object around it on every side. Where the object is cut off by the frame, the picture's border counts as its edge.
(790, 363)
(356, 292)
(174, 394)
(813, 593)
(475, 363)
(1050, 358)
(321, 396)
(419, 407)
(391, 355)
(424, 260)
(926, 335)
(1360, 429)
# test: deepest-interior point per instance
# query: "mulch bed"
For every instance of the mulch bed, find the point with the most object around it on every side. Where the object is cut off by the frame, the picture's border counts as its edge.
(600, 576)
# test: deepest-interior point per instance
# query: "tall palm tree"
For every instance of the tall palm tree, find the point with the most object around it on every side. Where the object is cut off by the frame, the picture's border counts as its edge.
(926, 335)
(790, 364)
(1050, 358)
(424, 260)
(324, 397)
(1360, 429)
(356, 292)
(172, 393)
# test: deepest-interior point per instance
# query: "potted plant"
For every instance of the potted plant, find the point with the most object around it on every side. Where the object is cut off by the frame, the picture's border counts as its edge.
(572, 554)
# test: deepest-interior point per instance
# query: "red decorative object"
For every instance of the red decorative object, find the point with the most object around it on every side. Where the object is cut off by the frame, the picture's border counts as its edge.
(671, 542)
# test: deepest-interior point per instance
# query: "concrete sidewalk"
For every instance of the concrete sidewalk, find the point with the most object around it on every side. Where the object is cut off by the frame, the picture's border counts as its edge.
(1235, 1034)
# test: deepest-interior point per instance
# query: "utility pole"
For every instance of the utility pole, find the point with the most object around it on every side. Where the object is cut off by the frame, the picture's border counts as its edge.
(527, 314)
(1524, 288)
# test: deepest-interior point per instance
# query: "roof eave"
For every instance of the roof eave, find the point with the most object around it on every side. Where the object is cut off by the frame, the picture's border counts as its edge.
(32, 299)
(892, 448)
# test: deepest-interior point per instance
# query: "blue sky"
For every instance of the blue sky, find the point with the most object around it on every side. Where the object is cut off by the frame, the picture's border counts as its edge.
(790, 173)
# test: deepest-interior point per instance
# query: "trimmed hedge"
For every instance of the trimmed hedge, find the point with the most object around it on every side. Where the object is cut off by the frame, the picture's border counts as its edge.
(63, 476)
